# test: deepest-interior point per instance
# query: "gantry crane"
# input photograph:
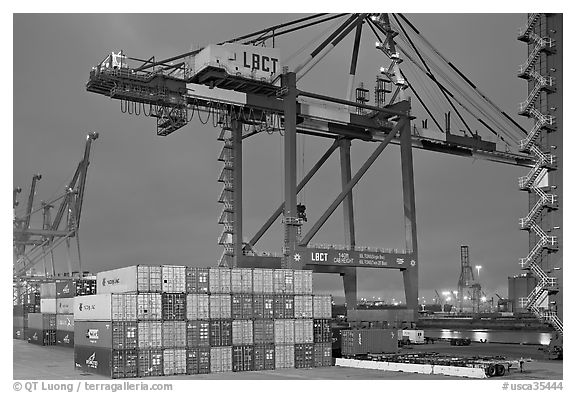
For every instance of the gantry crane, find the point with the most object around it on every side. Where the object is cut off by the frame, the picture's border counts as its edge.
(242, 87)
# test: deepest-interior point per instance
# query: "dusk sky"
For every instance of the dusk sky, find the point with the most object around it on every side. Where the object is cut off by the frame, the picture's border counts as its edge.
(153, 200)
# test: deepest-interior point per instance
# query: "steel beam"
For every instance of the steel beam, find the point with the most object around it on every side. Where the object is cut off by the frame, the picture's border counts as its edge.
(398, 127)
(237, 184)
(348, 203)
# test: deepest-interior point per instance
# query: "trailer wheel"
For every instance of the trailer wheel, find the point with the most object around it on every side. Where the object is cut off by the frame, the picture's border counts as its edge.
(500, 370)
(491, 370)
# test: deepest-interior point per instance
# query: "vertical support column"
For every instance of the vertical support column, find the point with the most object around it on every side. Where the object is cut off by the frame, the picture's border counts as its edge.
(349, 275)
(411, 272)
(290, 210)
(350, 280)
(237, 184)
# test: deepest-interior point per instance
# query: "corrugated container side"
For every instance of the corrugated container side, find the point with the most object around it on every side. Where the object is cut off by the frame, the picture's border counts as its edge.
(304, 356)
(48, 306)
(242, 358)
(113, 335)
(247, 281)
(198, 361)
(303, 306)
(65, 289)
(197, 280)
(220, 280)
(65, 305)
(214, 280)
(149, 306)
(322, 332)
(123, 280)
(174, 306)
(257, 281)
(284, 356)
(107, 362)
(18, 321)
(303, 331)
(40, 337)
(322, 306)
(236, 280)
(105, 307)
(173, 279)
(363, 341)
(289, 331)
(283, 306)
(174, 361)
(42, 321)
(264, 357)
(220, 359)
(174, 334)
(298, 282)
(197, 334)
(242, 332)
(263, 331)
(150, 362)
(64, 338)
(220, 306)
(263, 306)
(197, 307)
(48, 290)
(284, 331)
(149, 334)
(308, 283)
(268, 281)
(220, 333)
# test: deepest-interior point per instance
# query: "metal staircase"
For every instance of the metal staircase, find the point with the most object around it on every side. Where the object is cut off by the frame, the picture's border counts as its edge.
(226, 199)
(537, 300)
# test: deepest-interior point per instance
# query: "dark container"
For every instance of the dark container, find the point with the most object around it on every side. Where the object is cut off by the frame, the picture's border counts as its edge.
(198, 361)
(197, 280)
(242, 306)
(243, 358)
(363, 341)
(174, 306)
(263, 306)
(264, 357)
(18, 310)
(322, 332)
(40, 337)
(19, 333)
(322, 355)
(42, 321)
(111, 335)
(31, 308)
(150, 362)
(304, 355)
(31, 298)
(19, 321)
(77, 287)
(221, 333)
(111, 363)
(198, 335)
(263, 331)
(64, 338)
(283, 306)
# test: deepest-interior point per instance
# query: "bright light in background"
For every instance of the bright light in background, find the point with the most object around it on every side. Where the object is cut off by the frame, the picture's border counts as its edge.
(478, 267)
(483, 298)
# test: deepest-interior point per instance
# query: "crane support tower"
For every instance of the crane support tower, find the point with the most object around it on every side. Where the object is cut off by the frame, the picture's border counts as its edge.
(543, 72)
(466, 281)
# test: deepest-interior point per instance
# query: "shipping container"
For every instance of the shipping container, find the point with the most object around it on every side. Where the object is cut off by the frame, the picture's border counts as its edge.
(76, 287)
(150, 362)
(48, 290)
(364, 341)
(221, 333)
(198, 361)
(263, 331)
(42, 321)
(106, 307)
(304, 355)
(131, 279)
(112, 363)
(303, 282)
(242, 306)
(65, 305)
(322, 306)
(322, 332)
(284, 356)
(303, 331)
(149, 334)
(284, 331)
(322, 355)
(264, 357)
(174, 334)
(19, 321)
(242, 332)
(243, 281)
(283, 281)
(220, 307)
(197, 334)
(303, 306)
(19, 332)
(48, 306)
(149, 306)
(283, 306)
(40, 336)
(31, 308)
(220, 359)
(243, 358)
(174, 361)
(263, 306)
(174, 306)
(18, 310)
(106, 334)
(65, 322)
(64, 338)
(413, 335)
(197, 307)
(173, 279)
(219, 280)
(197, 280)
(262, 281)
(30, 298)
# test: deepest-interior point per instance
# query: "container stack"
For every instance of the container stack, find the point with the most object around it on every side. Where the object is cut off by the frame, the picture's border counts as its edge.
(24, 304)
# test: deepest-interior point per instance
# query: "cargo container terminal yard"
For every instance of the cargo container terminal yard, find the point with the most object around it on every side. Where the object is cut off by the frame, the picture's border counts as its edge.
(258, 311)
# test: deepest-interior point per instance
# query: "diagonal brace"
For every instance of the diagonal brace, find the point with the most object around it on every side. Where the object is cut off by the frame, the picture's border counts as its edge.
(352, 183)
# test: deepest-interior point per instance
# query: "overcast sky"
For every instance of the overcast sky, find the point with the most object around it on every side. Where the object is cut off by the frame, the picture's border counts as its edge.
(153, 200)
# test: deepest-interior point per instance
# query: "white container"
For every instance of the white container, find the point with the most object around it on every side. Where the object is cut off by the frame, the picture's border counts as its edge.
(149, 334)
(415, 336)
(220, 306)
(140, 278)
(65, 305)
(220, 359)
(303, 331)
(106, 307)
(283, 281)
(303, 306)
(65, 322)
(197, 307)
(48, 306)
(149, 306)
(284, 356)
(242, 332)
(263, 281)
(303, 282)
(322, 306)
(284, 331)
(174, 361)
(241, 280)
(219, 280)
(48, 290)
(173, 279)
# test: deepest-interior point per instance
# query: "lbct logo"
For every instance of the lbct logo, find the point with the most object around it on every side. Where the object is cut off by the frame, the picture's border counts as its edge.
(91, 361)
(66, 289)
(66, 339)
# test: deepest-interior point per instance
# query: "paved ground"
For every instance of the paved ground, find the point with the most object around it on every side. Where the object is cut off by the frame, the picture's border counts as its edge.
(32, 362)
